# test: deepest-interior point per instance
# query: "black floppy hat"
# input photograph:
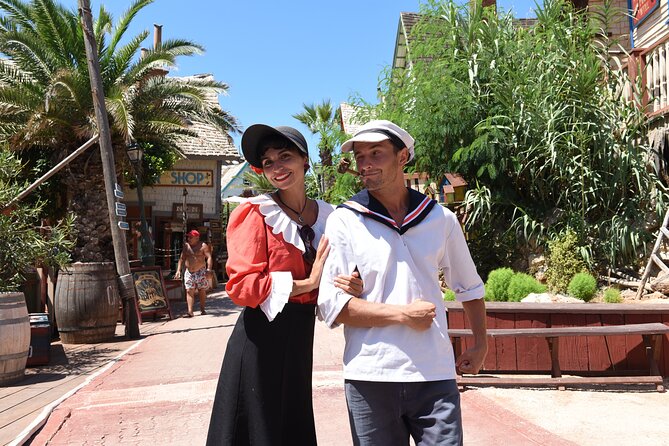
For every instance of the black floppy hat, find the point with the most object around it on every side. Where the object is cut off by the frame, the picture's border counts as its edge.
(257, 132)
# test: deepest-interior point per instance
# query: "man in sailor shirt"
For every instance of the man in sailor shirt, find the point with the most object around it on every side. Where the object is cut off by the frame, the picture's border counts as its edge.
(399, 364)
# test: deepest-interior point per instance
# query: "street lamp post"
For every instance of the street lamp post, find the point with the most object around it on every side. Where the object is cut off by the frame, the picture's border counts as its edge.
(136, 153)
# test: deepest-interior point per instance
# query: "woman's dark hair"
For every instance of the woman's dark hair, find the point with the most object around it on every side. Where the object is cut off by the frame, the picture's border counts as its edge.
(277, 142)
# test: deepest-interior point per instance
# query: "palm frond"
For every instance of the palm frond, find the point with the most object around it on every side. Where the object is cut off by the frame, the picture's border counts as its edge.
(124, 22)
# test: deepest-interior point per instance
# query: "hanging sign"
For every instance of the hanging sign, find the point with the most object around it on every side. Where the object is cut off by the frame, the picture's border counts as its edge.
(641, 9)
(121, 209)
(118, 192)
(190, 178)
(193, 211)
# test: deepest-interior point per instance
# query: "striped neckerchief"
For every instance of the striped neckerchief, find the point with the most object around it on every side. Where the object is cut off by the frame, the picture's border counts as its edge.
(365, 204)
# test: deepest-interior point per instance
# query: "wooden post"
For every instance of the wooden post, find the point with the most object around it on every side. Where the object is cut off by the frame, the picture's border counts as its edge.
(126, 284)
(651, 260)
(184, 217)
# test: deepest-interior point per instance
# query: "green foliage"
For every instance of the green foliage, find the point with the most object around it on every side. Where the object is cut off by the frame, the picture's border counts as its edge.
(46, 95)
(521, 285)
(582, 286)
(155, 161)
(313, 182)
(23, 242)
(612, 296)
(449, 295)
(504, 285)
(536, 121)
(564, 261)
(323, 120)
(344, 187)
(497, 284)
(46, 102)
(259, 182)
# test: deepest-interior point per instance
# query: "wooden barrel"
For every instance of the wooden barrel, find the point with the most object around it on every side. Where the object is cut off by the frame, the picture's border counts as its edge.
(14, 337)
(86, 304)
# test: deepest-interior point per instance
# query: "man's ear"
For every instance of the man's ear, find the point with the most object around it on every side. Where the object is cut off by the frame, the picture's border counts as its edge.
(404, 156)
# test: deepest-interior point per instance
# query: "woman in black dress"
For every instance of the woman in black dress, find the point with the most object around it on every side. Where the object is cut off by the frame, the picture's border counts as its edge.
(264, 389)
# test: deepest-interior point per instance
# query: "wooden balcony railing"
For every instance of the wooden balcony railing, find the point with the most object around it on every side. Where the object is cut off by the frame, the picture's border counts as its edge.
(647, 77)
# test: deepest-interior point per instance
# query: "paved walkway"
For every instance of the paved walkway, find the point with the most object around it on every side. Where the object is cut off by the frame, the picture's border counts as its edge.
(160, 391)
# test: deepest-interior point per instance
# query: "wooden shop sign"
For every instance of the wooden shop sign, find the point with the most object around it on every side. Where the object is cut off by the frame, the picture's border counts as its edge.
(187, 178)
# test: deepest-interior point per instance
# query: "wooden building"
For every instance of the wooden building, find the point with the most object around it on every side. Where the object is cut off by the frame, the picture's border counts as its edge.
(195, 180)
(648, 71)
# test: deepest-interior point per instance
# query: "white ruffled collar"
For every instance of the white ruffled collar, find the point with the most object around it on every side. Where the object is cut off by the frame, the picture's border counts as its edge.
(279, 221)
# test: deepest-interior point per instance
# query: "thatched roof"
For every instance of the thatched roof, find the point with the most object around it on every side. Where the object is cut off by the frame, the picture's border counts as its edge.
(210, 142)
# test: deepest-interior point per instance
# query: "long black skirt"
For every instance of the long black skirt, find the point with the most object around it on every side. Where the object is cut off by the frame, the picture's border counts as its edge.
(264, 390)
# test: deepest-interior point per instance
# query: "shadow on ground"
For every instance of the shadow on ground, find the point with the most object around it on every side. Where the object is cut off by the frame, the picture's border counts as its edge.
(217, 304)
(79, 359)
(70, 360)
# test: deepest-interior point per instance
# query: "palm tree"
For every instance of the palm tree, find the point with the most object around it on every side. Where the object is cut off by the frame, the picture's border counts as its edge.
(46, 103)
(322, 120)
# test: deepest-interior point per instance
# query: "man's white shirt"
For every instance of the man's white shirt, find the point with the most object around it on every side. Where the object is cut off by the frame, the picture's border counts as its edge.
(398, 265)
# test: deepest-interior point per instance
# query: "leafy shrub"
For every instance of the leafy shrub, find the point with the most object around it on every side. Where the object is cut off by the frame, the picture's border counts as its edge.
(23, 242)
(498, 283)
(582, 286)
(612, 296)
(563, 262)
(521, 285)
(449, 295)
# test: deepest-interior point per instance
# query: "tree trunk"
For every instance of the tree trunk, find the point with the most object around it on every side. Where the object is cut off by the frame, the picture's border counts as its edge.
(87, 200)
(328, 174)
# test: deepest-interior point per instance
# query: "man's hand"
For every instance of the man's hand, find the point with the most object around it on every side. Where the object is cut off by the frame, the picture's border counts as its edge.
(471, 360)
(177, 275)
(419, 314)
(350, 284)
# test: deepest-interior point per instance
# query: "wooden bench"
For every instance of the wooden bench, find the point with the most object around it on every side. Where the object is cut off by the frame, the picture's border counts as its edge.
(651, 333)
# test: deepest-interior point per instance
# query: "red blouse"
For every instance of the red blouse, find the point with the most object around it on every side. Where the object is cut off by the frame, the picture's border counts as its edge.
(254, 251)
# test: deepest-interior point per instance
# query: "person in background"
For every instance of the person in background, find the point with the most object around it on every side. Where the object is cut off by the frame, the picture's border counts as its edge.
(399, 366)
(199, 263)
(275, 260)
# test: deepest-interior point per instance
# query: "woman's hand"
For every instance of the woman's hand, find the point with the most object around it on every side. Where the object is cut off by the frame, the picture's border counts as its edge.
(321, 255)
(350, 284)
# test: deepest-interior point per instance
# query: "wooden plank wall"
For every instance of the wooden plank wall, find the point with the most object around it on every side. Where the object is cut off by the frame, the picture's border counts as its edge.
(588, 353)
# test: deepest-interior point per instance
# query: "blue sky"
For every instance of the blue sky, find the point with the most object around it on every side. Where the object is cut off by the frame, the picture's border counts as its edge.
(277, 55)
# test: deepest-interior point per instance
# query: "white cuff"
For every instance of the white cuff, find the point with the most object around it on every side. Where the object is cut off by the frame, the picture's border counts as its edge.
(328, 311)
(475, 293)
(282, 286)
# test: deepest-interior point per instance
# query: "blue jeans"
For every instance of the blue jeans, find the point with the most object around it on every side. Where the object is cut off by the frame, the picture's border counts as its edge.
(386, 413)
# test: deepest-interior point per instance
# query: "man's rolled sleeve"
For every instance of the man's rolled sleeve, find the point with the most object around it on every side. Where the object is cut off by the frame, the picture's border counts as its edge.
(458, 267)
(331, 300)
